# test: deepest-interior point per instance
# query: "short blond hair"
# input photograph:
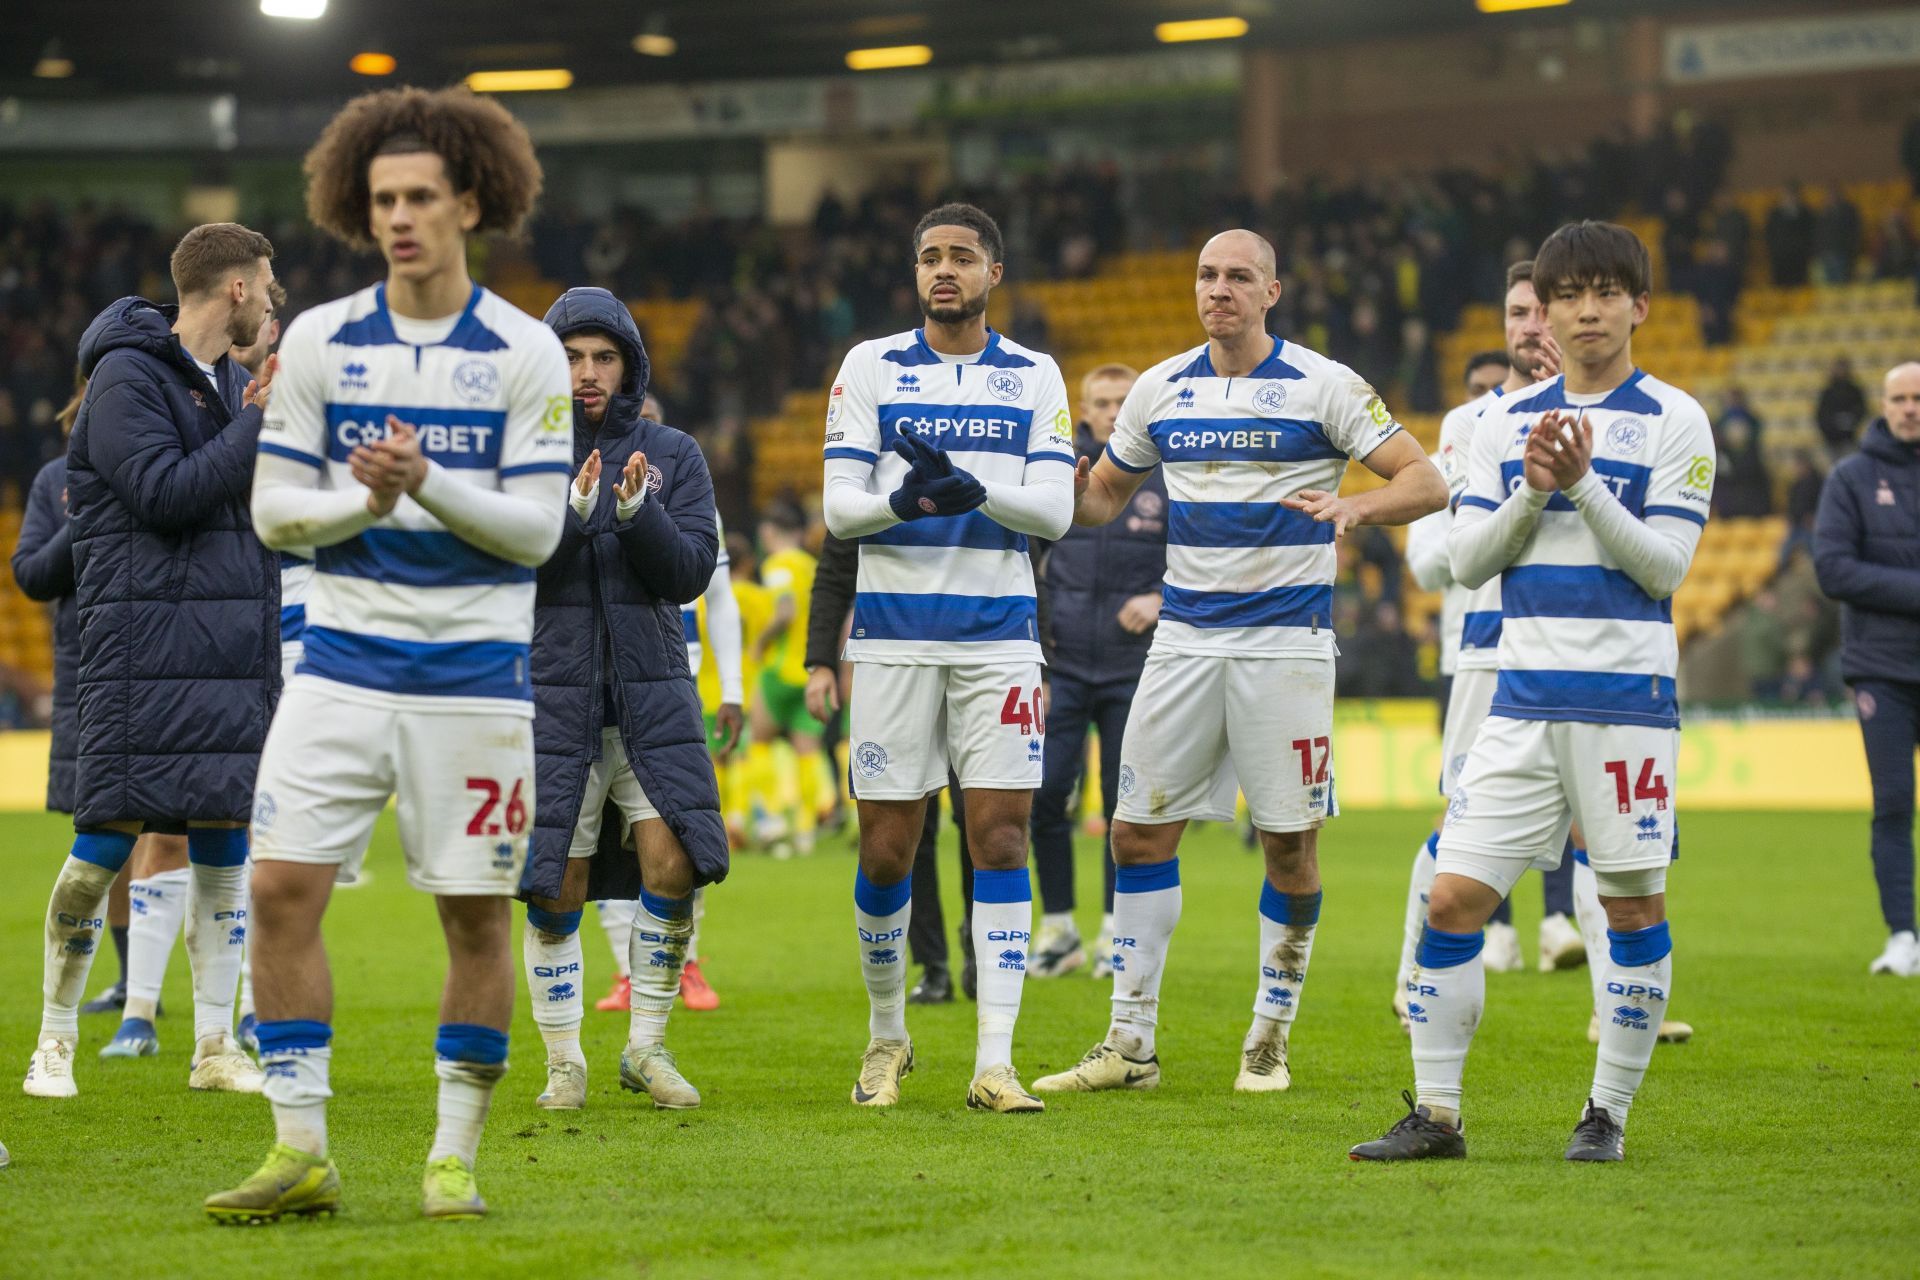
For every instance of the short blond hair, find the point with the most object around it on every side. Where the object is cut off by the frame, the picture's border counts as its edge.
(1109, 370)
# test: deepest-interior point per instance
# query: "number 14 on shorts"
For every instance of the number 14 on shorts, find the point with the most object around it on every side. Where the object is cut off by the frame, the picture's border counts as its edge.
(1648, 786)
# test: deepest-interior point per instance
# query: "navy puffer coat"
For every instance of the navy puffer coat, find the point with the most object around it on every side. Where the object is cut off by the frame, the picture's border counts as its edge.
(606, 628)
(1866, 551)
(179, 603)
(43, 568)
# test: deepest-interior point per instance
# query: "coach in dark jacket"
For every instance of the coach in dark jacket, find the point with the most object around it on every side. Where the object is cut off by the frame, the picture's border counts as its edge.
(608, 644)
(43, 566)
(177, 600)
(1103, 585)
(1867, 556)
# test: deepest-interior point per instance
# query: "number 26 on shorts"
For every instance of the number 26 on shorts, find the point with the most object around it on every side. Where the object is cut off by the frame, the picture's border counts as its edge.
(1648, 786)
(483, 822)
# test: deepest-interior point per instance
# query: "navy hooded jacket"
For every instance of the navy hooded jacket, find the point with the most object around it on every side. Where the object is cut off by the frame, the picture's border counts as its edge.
(179, 603)
(43, 568)
(1866, 552)
(607, 630)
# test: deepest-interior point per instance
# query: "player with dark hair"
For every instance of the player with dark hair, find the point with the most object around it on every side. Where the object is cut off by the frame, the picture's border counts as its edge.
(421, 441)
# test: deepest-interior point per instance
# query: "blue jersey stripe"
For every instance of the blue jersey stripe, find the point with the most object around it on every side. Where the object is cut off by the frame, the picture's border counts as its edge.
(418, 558)
(1587, 697)
(293, 622)
(1124, 465)
(1182, 439)
(1474, 500)
(1577, 591)
(974, 530)
(959, 428)
(1304, 606)
(1053, 455)
(1627, 480)
(1243, 524)
(942, 619)
(858, 455)
(291, 454)
(690, 625)
(1677, 513)
(462, 438)
(457, 669)
(1480, 629)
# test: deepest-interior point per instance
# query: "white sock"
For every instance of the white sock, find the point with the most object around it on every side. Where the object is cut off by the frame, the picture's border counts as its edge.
(1146, 907)
(469, 1061)
(550, 947)
(295, 1057)
(699, 914)
(157, 906)
(616, 918)
(216, 939)
(1591, 918)
(1287, 922)
(1638, 985)
(1058, 922)
(661, 929)
(246, 954)
(1419, 885)
(881, 914)
(73, 930)
(1446, 996)
(1002, 935)
(1106, 926)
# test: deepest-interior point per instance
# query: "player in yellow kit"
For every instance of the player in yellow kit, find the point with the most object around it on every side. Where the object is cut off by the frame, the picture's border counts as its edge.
(755, 603)
(781, 712)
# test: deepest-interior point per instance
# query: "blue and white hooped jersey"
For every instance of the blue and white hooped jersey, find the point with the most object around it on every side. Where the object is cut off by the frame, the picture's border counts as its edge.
(1478, 607)
(1246, 577)
(296, 579)
(690, 612)
(406, 607)
(948, 589)
(1580, 640)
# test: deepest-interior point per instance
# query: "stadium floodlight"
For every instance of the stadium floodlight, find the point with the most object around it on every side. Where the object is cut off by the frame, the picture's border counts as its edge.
(1512, 6)
(1200, 29)
(304, 10)
(53, 63)
(900, 55)
(520, 81)
(369, 63)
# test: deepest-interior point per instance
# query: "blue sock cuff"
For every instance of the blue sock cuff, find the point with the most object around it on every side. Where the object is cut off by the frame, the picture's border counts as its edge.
(880, 900)
(1433, 845)
(1579, 854)
(109, 849)
(664, 908)
(465, 1042)
(294, 1033)
(1289, 908)
(1147, 878)
(1640, 947)
(1002, 886)
(564, 923)
(1442, 950)
(217, 846)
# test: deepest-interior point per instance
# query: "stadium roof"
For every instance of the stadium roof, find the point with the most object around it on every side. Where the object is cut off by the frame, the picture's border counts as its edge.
(221, 46)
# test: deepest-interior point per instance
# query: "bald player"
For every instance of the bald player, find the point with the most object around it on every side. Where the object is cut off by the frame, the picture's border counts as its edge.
(1254, 433)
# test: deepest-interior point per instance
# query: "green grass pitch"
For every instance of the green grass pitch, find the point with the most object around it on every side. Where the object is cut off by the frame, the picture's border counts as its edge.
(1780, 1142)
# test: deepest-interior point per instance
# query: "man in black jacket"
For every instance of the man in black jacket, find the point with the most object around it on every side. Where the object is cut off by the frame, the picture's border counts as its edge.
(1867, 555)
(1103, 588)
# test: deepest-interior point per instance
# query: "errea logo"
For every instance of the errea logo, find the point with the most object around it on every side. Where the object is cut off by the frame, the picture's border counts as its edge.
(908, 383)
(353, 377)
(1185, 399)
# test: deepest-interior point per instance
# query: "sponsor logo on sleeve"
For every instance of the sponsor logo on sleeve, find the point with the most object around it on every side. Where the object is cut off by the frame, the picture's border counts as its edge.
(559, 415)
(836, 400)
(1697, 486)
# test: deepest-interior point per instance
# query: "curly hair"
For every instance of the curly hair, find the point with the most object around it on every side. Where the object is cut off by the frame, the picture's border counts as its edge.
(485, 149)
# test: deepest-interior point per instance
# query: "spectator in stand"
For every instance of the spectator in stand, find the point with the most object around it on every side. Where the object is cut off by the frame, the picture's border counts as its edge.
(1894, 251)
(1385, 661)
(1836, 236)
(1910, 152)
(1789, 236)
(1729, 223)
(1803, 503)
(1762, 645)
(1716, 287)
(1841, 409)
(1745, 485)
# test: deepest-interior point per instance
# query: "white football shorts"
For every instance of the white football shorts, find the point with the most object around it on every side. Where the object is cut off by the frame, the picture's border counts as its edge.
(462, 768)
(1525, 781)
(1467, 709)
(1202, 727)
(610, 777)
(908, 725)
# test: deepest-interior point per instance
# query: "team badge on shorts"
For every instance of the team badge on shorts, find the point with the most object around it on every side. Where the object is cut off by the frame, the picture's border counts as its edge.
(1271, 398)
(1004, 384)
(264, 811)
(870, 758)
(1126, 780)
(1457, 804)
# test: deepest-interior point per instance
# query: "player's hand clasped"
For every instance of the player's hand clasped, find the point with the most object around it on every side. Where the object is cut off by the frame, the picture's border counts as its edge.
(1559, 451)
(389, 467)
(934, 486)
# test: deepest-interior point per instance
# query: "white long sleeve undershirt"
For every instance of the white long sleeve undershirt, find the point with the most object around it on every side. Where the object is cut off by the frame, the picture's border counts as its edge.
(1654, 552)
(1482, 543)
(850, 511)
(723, 631)
(1043, 508)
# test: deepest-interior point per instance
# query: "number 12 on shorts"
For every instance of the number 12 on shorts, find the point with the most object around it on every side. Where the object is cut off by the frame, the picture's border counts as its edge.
(1648, 786)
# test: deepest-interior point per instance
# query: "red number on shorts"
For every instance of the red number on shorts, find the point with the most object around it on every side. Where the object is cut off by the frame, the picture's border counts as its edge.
(489, 789)
(516, 809)
(1310, 771)
(1039, 713)
(1648, 786)
(1015, 711)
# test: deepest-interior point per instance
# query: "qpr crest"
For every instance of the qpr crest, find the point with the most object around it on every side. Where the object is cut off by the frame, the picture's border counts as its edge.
(1626, 435)
(1127, 782)
(655, 481)
(870, 758)
(476, 381)
(1271, 398)
(1005, 384)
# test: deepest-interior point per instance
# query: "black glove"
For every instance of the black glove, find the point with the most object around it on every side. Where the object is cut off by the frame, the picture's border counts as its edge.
(921, 495)
(928, 460)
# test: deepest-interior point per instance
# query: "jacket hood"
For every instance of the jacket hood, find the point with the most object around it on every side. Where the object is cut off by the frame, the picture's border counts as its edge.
(590, 308)
(130, 323)
(1878, 442)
